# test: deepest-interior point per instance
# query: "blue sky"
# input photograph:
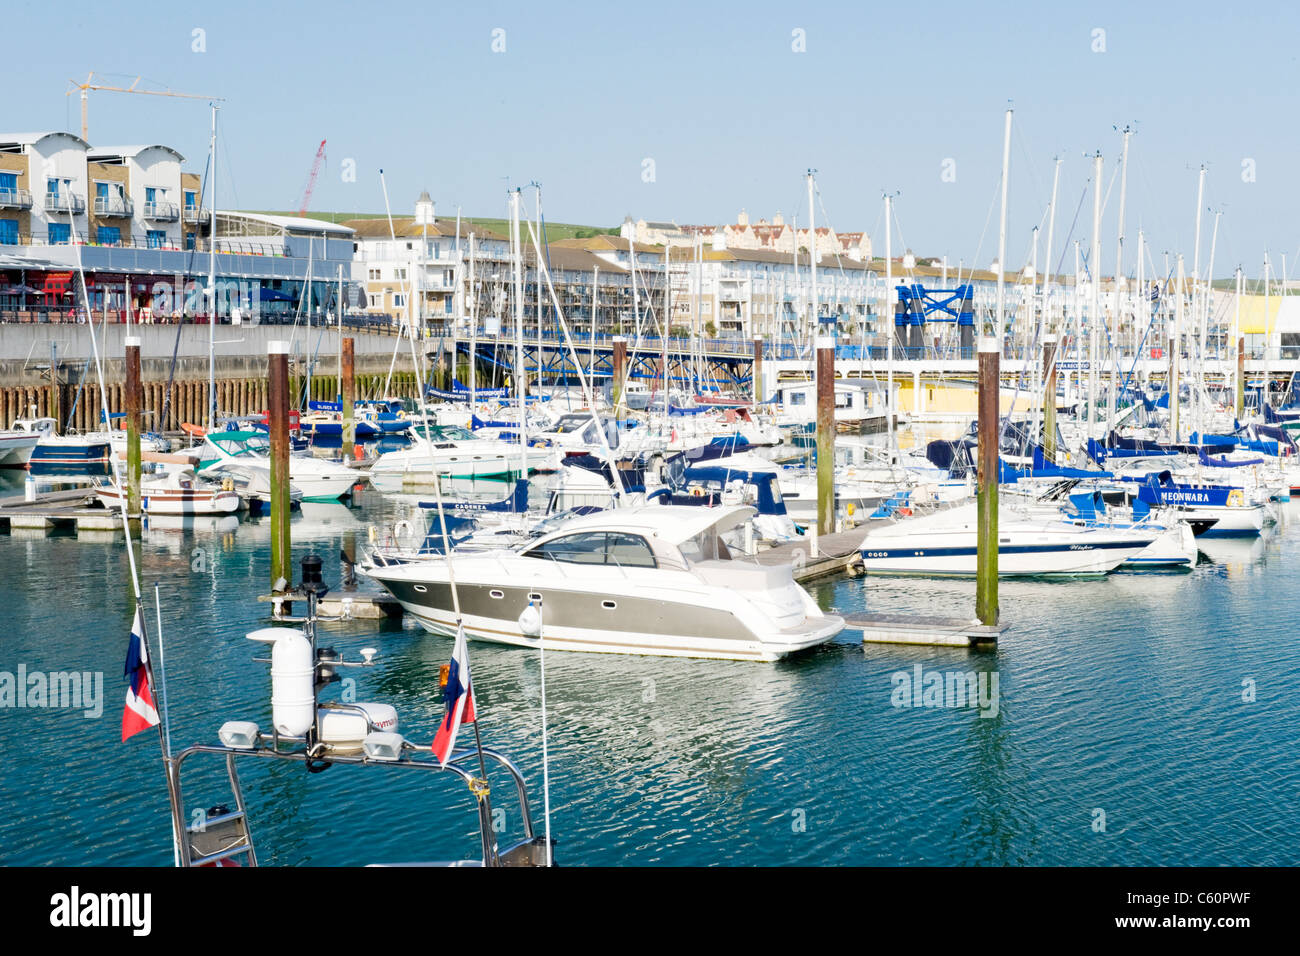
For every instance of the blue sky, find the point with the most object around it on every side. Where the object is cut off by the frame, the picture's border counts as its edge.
(718, 98)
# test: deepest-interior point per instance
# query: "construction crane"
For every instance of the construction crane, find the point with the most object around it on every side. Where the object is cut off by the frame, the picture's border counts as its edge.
(311, 180)
(87, 86)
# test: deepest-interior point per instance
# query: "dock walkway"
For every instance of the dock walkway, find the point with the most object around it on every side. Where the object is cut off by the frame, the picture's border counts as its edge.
(836, 553)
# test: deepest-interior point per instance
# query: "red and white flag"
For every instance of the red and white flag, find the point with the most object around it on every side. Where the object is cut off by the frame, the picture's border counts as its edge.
(459, 697)
(140, 713)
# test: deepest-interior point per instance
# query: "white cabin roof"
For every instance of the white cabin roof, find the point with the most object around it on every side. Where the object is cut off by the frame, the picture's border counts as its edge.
(671, 523)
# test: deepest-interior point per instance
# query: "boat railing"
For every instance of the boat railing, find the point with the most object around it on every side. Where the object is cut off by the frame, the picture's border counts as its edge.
(271, 746)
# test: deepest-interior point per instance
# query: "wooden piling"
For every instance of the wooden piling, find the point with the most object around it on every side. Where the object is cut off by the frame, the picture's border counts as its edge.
(620, 364)
(1049, 399)
(278, 378)
(133, 397)
(986, 496)
(756, 375)
(349, 396)
(825, 372)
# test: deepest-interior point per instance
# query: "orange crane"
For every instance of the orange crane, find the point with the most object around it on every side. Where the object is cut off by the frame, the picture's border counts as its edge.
(87, 86)
(311, 180)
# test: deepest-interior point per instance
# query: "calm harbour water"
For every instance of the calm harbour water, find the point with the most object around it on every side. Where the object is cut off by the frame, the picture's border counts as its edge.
(1123, 695)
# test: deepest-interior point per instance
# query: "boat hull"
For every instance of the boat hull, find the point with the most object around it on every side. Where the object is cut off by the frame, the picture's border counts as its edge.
(578, 619)
(955, 555)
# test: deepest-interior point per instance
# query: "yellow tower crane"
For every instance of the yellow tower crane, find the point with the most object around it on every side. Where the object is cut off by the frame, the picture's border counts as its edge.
(87, 86)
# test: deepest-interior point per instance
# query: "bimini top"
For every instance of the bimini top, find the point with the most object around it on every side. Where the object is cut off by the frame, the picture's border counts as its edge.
(673, 524)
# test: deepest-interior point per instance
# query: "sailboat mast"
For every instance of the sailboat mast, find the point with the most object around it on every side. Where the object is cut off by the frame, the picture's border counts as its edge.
(813, 317)
(888, 317)
(1117, 282)
(212, 286)
(473, 326)
(1094, 274)
(518, 252)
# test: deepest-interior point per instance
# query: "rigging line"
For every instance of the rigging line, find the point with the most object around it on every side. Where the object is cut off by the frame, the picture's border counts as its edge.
(1065, 246)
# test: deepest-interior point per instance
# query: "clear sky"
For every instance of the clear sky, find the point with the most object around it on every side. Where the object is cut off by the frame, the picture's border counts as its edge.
(907, 98)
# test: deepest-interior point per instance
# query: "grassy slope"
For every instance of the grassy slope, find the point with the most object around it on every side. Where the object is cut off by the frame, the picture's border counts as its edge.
(554, 230)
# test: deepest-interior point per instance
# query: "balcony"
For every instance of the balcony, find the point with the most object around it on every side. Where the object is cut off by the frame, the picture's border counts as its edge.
(161, 211)
(194, 214)
(15, 199)
(64, 202)
(114, 206)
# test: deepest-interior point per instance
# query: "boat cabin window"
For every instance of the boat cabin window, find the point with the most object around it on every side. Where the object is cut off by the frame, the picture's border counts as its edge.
(705, 546)
(597, 547)
(797, 398)
(571, 423)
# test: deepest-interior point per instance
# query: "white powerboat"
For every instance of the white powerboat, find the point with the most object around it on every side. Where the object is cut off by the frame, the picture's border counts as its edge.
(446, 451)
(654, 580)
(944, 543)
(176, 492)
(317, 478)
(16, 448)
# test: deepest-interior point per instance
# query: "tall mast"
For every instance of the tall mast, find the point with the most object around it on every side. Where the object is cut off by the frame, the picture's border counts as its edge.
(1002, 231)
(517, 250)
(1051, 229)
(340, 365)
(473, 327)
(1118, 280)
(212, 285)
(812, 256)
(1268, 332)
(1094, 273)
(538, 272)
(888, 309)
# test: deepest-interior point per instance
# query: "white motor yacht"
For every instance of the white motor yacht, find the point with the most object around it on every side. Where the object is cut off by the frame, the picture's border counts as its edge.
(654, 580)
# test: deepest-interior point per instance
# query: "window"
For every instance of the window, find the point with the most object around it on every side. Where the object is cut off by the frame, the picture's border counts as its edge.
(8, 182)
(798, 398)
(156, 238)
(52, 187)
(374, 302)
(189, 199)
(189, 240)
(399, 273)
(59, 233)
(108, 235)
(150, 194)
(399, 300)
(374, 275)
(598, 547)
(8, 232)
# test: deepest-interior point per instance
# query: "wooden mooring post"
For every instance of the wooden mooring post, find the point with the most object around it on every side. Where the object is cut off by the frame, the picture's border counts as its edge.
(348, 393)
(825, 375)
(986, 495)
(281, 551)
(1049, 399)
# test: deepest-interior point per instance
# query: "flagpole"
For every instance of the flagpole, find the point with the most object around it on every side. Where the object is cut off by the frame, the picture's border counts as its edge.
(162, 699)
(177, 825)
(546, 768)
(484, 793)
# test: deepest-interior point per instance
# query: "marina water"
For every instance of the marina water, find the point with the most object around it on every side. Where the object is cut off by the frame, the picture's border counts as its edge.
(1140, 719)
